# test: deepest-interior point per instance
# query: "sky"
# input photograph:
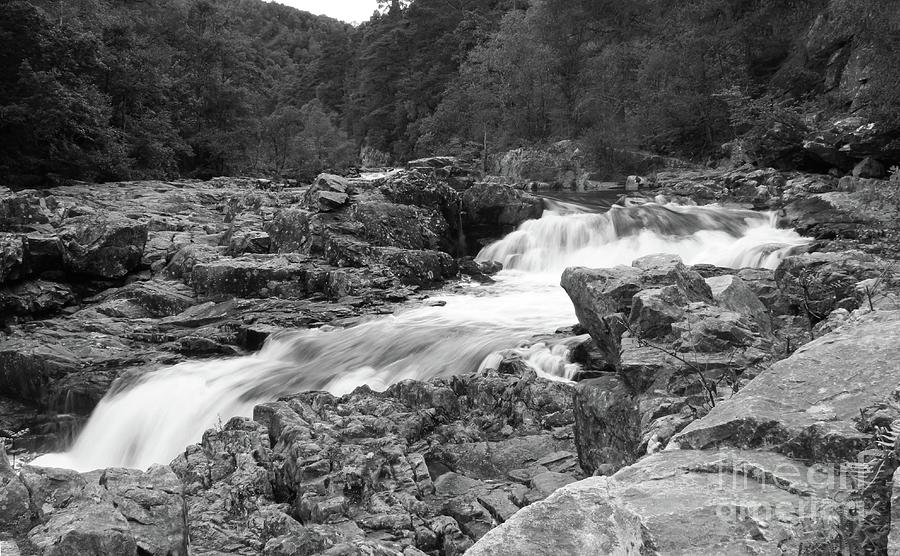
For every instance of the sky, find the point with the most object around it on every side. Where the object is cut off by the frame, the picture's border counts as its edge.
(351, 11)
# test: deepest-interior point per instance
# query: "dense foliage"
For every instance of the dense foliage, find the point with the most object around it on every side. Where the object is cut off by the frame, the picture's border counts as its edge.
(131, 89)
(116, 89)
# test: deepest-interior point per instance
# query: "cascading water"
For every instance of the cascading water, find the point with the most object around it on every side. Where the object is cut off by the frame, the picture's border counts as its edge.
(153, 419)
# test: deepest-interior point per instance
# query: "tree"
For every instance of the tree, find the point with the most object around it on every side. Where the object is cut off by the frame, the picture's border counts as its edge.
(321, 145)
(55, 121)
(503, 93)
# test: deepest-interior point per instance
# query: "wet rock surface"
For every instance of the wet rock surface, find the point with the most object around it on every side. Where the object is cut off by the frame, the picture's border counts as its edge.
(100, 281)
(424, 467)
(113, 511)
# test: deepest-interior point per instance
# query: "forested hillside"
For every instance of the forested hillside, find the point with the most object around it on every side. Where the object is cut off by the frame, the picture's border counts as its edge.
(127, 89)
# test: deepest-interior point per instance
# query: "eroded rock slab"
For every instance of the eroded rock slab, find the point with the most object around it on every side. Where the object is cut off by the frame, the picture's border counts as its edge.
(676, 502)
(809, 404)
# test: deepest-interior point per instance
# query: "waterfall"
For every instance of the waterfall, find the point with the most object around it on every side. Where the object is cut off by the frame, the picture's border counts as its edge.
(152, 419)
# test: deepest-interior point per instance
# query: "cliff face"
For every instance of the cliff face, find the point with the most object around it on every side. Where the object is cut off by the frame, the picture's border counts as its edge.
(844, 63)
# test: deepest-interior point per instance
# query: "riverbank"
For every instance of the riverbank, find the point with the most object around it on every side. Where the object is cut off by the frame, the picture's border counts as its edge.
(458, 447)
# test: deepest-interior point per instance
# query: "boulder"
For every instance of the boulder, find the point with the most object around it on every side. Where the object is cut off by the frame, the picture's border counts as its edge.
(154, 506)
(604, 298)
(635, 183)
(160, 298)
(663, 367)
(420, 191)
(607, 424)
(733, 293)
(183, 261)
(413, 468)
(12, 254)
(493, 210)
(418, 267)
(43, 253)
(869, 168)
(655, 310)
(249, 242)
(601, 298)
(559, 166)
(818, 283)
(102, 246)
(391, 225)
(818, 217)
(67, 364)
(36, 298)
(809, 405)
(24, 211)
(294, 230)
(326, 201)
(761, 282)
(711, 329)
(255, 276)
(664, 270)
(678, 502)
(114, 511)
(327, 193)
(454, 172)
(15, 503)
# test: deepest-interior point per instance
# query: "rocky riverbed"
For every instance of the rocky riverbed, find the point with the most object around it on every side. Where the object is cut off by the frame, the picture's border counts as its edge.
(715, 410)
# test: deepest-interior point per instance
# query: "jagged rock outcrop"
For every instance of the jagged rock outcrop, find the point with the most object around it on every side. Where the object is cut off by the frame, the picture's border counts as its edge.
(56, 512)
(107, 246)
(756, 474)
(327, 193)
(423, 466)
(671, 336)
(818, 283)
(101, 281)
(606, 304)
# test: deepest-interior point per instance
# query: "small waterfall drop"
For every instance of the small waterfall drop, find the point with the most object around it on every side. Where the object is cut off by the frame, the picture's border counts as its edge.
(152, 419)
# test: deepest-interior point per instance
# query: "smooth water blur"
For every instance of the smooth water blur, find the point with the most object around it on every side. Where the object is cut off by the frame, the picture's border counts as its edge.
(152, 420)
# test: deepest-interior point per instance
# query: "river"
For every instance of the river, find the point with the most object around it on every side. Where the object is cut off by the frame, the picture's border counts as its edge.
(154, 418)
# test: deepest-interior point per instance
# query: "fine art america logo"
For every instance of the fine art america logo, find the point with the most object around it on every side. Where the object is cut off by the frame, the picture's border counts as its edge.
(825, 501)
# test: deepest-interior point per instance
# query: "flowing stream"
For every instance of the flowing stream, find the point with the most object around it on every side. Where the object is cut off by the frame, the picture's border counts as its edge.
(152, 420)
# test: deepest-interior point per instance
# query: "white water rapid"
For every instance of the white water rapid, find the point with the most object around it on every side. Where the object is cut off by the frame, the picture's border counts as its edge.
(152, 420)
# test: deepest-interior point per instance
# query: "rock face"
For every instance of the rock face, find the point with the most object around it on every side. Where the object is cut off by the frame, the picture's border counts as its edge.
(428, 466)
(12, 253)
(561, 166)
(679, 502)
(819, 283)
(671, 337)
(492, 210)
(100, 281)
(327, 193)
(607, 424)
(107, 246)
(810, 405)
(115, 511)
(855, 145)
(605, 299)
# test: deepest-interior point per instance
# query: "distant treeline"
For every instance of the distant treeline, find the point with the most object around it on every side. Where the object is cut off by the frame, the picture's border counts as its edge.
(130, 89)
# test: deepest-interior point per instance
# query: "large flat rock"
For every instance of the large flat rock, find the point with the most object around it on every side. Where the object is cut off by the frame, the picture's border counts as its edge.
(676, 502)
(808, 405)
